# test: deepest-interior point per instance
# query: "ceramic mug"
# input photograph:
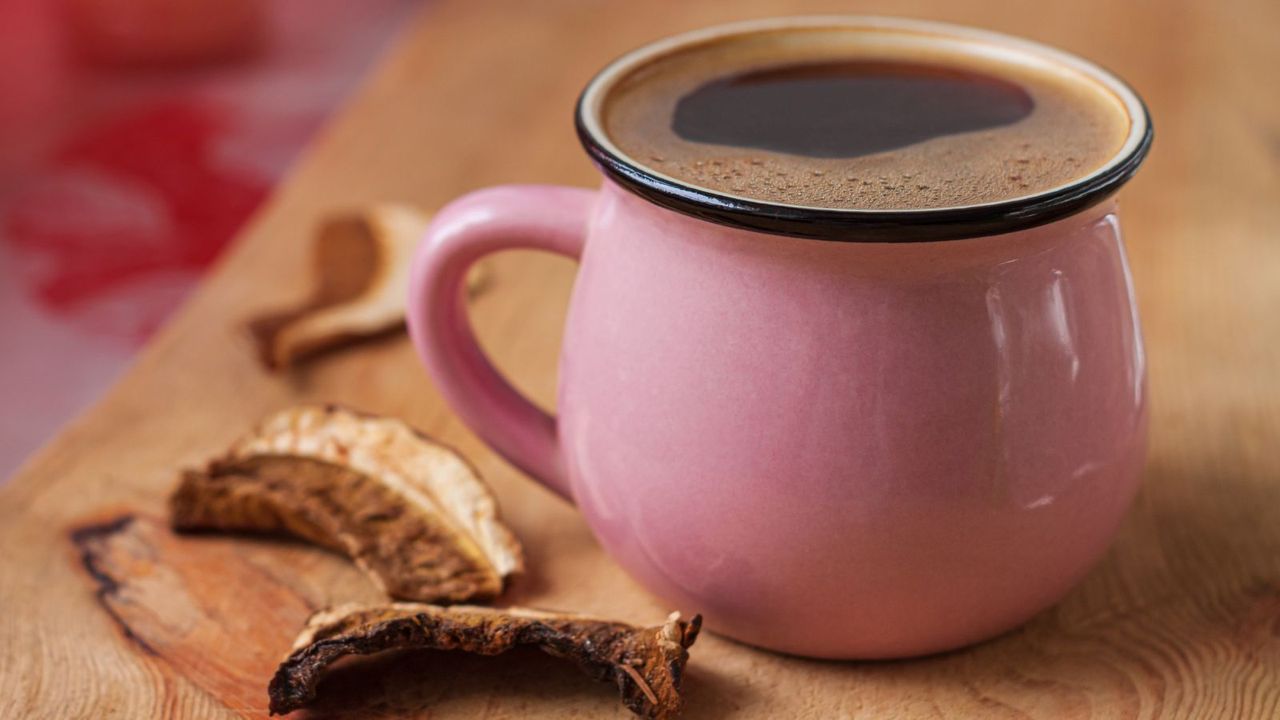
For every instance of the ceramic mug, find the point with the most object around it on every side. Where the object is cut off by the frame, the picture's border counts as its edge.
(834, 433)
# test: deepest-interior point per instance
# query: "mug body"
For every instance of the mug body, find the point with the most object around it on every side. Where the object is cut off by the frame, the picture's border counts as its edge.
(836, 431)
(845, 449)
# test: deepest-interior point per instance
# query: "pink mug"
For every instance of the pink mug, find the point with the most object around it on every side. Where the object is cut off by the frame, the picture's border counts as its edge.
(842, 434)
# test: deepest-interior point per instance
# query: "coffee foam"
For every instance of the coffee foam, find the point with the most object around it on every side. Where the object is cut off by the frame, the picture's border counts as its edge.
(1076, 127)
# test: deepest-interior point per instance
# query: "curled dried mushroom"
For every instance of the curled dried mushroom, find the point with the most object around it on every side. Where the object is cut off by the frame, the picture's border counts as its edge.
(645, 663)
(361, 274)
(410, 512)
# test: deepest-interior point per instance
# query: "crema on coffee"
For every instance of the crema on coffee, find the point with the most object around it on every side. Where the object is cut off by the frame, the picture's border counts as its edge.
(850, 118)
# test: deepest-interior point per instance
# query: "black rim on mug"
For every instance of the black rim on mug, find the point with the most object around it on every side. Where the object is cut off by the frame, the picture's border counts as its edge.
(853, 225)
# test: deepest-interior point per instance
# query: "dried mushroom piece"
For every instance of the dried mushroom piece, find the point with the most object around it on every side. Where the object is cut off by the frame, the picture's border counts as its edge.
(645, 663)
(410, 512)
(361, 268)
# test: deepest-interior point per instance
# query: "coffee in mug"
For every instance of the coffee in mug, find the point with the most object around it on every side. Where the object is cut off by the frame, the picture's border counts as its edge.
(833, 118)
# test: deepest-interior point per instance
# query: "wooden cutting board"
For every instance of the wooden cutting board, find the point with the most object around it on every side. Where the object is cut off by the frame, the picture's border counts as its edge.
(104, 613)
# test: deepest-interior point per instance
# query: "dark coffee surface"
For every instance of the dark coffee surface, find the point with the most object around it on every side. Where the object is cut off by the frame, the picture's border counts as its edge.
(830, 121)
(846, 109)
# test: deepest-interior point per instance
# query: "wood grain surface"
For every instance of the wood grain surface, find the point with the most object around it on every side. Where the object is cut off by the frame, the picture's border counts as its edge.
(105, 614)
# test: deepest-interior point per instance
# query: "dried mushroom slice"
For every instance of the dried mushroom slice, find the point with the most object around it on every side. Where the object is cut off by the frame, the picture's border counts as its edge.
(411, 512)
(361, 268)
(645, 663)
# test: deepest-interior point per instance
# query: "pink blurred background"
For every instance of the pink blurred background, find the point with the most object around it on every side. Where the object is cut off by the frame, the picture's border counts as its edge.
(136, 137)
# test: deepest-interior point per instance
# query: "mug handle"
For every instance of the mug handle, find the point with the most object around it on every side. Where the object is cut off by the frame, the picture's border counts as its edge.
(541, 217)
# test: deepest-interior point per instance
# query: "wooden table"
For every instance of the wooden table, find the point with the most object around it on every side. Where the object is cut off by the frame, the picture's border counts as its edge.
(103, 613)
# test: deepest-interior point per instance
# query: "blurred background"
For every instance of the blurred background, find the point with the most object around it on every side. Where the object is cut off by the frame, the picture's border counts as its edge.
(136, 138)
